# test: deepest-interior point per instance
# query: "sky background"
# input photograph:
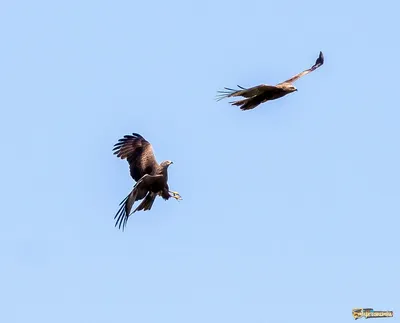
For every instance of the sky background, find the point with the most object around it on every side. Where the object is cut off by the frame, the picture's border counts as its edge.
(290, 211)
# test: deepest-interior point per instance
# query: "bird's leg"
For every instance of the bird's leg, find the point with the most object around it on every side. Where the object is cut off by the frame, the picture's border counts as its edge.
(175, 195)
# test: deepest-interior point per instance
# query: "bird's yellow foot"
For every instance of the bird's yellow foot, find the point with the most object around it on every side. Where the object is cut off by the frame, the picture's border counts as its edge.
(175, 195)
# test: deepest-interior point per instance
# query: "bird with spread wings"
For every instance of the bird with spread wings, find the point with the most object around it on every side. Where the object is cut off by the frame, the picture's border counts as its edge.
(263, 93)
(151, 178)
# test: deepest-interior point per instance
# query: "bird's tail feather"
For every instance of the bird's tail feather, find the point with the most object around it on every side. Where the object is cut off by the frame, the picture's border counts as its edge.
(246, 104)
(147, 203)
(228, 92)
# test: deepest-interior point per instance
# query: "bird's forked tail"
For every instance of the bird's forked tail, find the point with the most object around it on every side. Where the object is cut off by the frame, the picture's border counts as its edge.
(147, 203)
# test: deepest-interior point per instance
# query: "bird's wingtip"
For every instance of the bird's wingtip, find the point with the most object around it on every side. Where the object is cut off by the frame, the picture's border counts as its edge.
(321, 56)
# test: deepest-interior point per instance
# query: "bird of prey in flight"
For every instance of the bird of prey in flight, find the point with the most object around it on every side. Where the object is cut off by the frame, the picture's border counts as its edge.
(263, 93)
(151, 178)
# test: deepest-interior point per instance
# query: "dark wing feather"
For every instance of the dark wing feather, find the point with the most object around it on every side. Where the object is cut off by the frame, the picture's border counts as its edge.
(247, 93)
(139, 154)
(141, 188)
(124, 211)
(319, 62)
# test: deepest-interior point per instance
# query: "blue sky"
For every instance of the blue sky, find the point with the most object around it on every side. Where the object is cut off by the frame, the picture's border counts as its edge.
(290, 210)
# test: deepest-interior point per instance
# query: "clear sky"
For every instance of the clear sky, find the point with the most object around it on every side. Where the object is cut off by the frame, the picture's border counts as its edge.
(290, 211)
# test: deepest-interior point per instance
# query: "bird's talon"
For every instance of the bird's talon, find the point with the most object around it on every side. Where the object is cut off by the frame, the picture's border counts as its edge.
(176, 195)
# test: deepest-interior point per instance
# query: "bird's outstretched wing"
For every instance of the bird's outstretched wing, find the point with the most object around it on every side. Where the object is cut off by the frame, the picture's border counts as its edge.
(247, 93)
(139, 154)
(319, 62)
(140, 191)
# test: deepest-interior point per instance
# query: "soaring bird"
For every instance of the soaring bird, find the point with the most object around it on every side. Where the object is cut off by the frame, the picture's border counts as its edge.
(151, 178)
(263, 93)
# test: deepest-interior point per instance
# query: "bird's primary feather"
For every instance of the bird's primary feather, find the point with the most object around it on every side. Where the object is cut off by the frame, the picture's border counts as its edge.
(319, 62)
(139, 154)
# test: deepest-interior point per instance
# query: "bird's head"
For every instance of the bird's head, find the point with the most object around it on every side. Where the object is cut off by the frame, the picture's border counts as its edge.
(166, 163)
(288, 87)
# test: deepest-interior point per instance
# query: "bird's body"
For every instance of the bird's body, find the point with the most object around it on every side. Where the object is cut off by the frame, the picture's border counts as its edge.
(264, 92)
(151, 178)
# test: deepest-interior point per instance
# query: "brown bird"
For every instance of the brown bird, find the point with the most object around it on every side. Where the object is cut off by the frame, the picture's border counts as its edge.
(151, 178)
(263, 93)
